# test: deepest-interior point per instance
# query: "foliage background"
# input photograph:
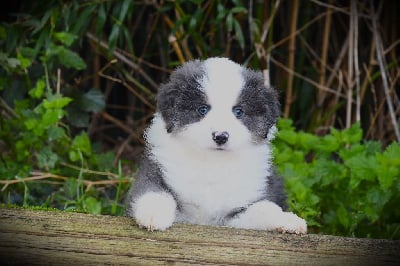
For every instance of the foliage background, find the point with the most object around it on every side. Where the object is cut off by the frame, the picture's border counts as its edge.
(78, 83)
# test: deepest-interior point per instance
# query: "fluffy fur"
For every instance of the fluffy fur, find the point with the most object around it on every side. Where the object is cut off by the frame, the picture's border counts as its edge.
(208, 157)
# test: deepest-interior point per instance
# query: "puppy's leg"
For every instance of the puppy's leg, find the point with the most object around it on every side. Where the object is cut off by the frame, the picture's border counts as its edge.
(266, 215)
(154, 210)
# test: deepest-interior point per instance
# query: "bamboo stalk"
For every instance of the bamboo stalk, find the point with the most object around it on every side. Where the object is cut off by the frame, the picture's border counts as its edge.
(381, 63)
(292, 48)
(306, 79)
(124, 59)
(350, 69)
(324, 53)
(354, 16)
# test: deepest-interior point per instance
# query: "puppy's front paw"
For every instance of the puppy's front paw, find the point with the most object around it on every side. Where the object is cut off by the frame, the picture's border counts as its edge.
(155, 210)
(293, 224)
(266, 215)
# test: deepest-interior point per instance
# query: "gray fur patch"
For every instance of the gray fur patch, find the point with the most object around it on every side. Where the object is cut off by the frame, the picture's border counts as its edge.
(259, 103)
(179, 98)
(149, 177)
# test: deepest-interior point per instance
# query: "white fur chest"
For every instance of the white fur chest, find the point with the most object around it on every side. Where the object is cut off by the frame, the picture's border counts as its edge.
(210, 183)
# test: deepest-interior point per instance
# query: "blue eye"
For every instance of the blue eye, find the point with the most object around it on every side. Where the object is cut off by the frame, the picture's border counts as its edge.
(203, 110)
(238, 111)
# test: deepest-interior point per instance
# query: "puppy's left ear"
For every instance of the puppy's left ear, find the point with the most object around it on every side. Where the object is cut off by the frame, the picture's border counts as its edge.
(273, 108)
(166, 103)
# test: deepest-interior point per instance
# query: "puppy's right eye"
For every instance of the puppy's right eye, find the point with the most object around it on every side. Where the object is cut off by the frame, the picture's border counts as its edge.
(203, 109)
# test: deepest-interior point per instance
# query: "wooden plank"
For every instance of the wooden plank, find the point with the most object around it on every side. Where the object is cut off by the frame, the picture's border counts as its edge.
(54, 237)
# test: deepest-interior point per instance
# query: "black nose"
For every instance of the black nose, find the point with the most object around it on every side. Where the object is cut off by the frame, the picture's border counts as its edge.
(220, 137)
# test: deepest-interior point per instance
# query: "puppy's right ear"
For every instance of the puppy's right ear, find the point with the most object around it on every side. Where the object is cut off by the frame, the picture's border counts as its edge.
(166, 103)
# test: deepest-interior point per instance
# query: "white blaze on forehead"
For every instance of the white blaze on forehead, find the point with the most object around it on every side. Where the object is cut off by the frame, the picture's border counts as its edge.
(223, 81)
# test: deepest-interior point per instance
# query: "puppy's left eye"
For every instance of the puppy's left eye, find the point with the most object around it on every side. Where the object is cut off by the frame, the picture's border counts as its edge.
(203, 109)
(238, 111)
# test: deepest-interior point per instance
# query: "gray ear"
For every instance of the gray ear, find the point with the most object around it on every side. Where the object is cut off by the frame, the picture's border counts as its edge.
(183, 81)
(166, 103)
(261, 103)
(273, 106)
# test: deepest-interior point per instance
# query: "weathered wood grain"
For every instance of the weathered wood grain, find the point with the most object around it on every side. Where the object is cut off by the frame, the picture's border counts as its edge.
(60, 238)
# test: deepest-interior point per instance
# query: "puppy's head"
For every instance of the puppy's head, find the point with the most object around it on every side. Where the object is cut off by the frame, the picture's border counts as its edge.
(217, 104)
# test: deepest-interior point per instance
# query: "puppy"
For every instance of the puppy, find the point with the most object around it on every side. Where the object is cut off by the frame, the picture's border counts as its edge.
(208, 157)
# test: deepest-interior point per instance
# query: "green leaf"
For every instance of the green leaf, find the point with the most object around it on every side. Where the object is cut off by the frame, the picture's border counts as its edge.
(82, 22)
(30, 123)
(56, 101)
(328, 144)
(101, 19)
(92, 101)
(74, 155)
(55, 133)
(70, 59)
(377, 198)
(229, 22)
(52, 116)
(239, 33)
(105, 161)
(352, 151)
(308, 141)
(77, 117)
(284, 123)
(387, 175)
(343, 216)
(112, 39)
(392, 154)
(46, 158)
(238, 9)
(92, 205)
(361, 168)
(37, 91)
(81, 143)
(288, 136)
(124, 10)
(65, 37)
(372, 147)
(354, 134)
(23, 61)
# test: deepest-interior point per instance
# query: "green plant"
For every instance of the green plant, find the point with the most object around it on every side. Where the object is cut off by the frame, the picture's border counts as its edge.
(46, 152)
(340, 185)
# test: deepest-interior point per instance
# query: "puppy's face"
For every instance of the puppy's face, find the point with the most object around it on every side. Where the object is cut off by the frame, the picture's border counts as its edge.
(217, 105)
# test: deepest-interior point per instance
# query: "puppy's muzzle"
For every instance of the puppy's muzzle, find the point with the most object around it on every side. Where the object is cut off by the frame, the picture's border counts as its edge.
(220, 137)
